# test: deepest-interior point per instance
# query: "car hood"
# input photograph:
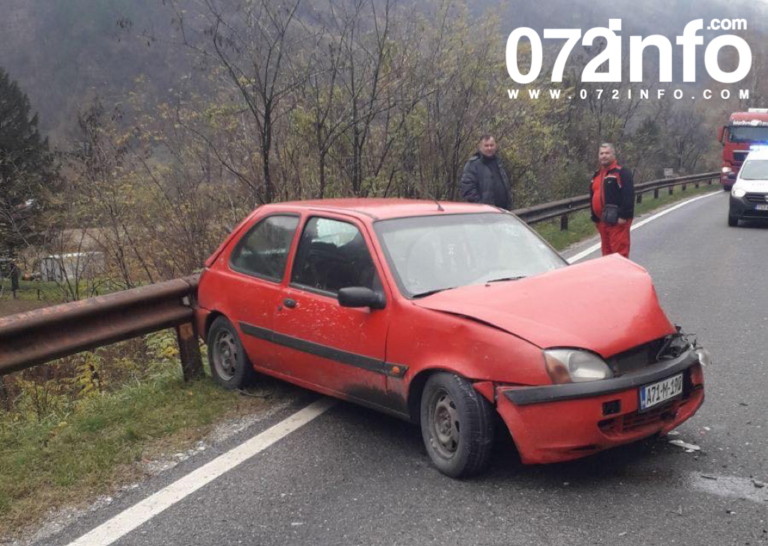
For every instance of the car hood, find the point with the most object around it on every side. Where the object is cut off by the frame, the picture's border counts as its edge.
(606, 305)
(753, 186)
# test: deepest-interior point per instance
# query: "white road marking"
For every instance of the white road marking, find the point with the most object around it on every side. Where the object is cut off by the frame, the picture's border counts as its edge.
(593, 248)
(131, 518)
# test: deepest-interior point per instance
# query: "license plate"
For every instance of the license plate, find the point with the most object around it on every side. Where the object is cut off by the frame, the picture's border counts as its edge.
(656, 393)
(761, 207)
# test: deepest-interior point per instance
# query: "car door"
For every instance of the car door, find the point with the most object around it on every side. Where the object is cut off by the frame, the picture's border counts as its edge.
(339, 349)
(255, 273)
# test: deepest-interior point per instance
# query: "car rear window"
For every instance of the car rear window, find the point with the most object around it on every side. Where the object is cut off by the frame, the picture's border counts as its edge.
(263, 250)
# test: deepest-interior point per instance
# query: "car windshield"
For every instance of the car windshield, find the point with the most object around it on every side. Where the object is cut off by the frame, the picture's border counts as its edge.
(754, 169)
(742, 133)
(429, 254)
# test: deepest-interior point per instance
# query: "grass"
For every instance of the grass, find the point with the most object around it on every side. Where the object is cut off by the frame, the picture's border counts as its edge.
(70, 459)
(31, 295)
(35, 294)
(581, 227)
(32, 290)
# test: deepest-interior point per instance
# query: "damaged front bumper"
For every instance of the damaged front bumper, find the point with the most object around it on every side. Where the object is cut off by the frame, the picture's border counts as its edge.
(556, 423)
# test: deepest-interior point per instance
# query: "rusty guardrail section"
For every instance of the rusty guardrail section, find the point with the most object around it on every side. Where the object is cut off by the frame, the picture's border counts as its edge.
(564, 207)
(36, 337)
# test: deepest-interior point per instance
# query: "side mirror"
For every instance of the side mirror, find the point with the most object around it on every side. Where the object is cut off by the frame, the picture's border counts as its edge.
(720, 134)
(358, 296)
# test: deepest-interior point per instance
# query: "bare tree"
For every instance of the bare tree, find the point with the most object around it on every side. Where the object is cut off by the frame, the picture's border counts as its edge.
(254, 43)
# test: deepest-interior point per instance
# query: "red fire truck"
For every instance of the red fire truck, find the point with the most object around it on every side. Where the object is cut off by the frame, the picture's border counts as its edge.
(745, 130)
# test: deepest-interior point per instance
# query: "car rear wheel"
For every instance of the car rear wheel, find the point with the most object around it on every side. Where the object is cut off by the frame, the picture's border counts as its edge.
(733, 221)
(229, 364)
(457, 425)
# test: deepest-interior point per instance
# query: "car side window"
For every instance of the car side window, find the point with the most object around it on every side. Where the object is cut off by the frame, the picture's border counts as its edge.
(333, 255)
(263, 250)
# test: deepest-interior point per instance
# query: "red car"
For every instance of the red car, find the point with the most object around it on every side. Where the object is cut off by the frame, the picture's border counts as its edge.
(446, 314)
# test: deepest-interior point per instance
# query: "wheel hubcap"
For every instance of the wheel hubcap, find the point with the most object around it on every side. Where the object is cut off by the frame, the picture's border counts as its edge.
(445, 425)
(225, 355)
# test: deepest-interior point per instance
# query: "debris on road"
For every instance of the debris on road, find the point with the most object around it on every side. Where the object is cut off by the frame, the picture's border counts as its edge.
(709, 476)
(689, 448)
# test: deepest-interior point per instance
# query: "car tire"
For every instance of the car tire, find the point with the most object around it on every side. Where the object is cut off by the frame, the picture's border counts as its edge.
(733, 221)
(230, 366)
(457, 425)
(727, 188)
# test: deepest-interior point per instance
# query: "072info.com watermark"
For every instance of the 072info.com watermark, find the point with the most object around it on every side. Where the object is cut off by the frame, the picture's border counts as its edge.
(609, 61)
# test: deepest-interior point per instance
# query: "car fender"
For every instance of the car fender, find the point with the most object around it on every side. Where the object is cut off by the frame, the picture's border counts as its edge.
(429, 342)
(426, 340)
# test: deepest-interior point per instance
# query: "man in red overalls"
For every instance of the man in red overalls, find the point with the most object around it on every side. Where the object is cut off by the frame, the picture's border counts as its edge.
(613, 202)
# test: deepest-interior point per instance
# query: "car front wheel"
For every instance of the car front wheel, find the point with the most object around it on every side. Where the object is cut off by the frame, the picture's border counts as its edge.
(229, 364)
(457, 424)
(733, 221)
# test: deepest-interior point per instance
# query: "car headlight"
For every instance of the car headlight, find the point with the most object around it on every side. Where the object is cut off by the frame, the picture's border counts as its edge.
(726, 169)
(705, 358)
(738, 192)
(575, 366)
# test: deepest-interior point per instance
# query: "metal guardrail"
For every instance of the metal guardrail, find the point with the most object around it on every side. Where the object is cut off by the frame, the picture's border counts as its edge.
(36, 337)
(564, 207)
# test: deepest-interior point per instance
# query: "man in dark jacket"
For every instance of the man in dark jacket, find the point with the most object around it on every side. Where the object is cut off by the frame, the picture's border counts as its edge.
(612, 195)
(484, 179)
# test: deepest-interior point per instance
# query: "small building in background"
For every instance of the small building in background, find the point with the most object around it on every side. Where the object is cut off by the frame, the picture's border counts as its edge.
(72, 266)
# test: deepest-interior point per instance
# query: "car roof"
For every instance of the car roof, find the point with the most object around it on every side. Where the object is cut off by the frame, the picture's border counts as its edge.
(383, 209)
(761, 153)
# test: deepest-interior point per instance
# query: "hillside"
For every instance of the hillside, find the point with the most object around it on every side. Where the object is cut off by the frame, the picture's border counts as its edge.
(64, 52)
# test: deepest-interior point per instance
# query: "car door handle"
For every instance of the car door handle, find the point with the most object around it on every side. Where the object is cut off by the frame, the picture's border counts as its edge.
(289, 303)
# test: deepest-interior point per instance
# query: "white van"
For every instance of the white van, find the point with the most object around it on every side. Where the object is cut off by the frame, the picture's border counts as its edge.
(749, 195)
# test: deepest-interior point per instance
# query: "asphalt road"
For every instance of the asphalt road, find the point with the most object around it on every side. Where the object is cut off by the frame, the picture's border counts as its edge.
(353, 476)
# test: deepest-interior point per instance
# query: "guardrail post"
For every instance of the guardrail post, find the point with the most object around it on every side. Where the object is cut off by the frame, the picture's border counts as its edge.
(564, 222)
(656, 193)
(639, 198)
(189, 352)
(684, 187)
(697, 185)
(671, 190)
